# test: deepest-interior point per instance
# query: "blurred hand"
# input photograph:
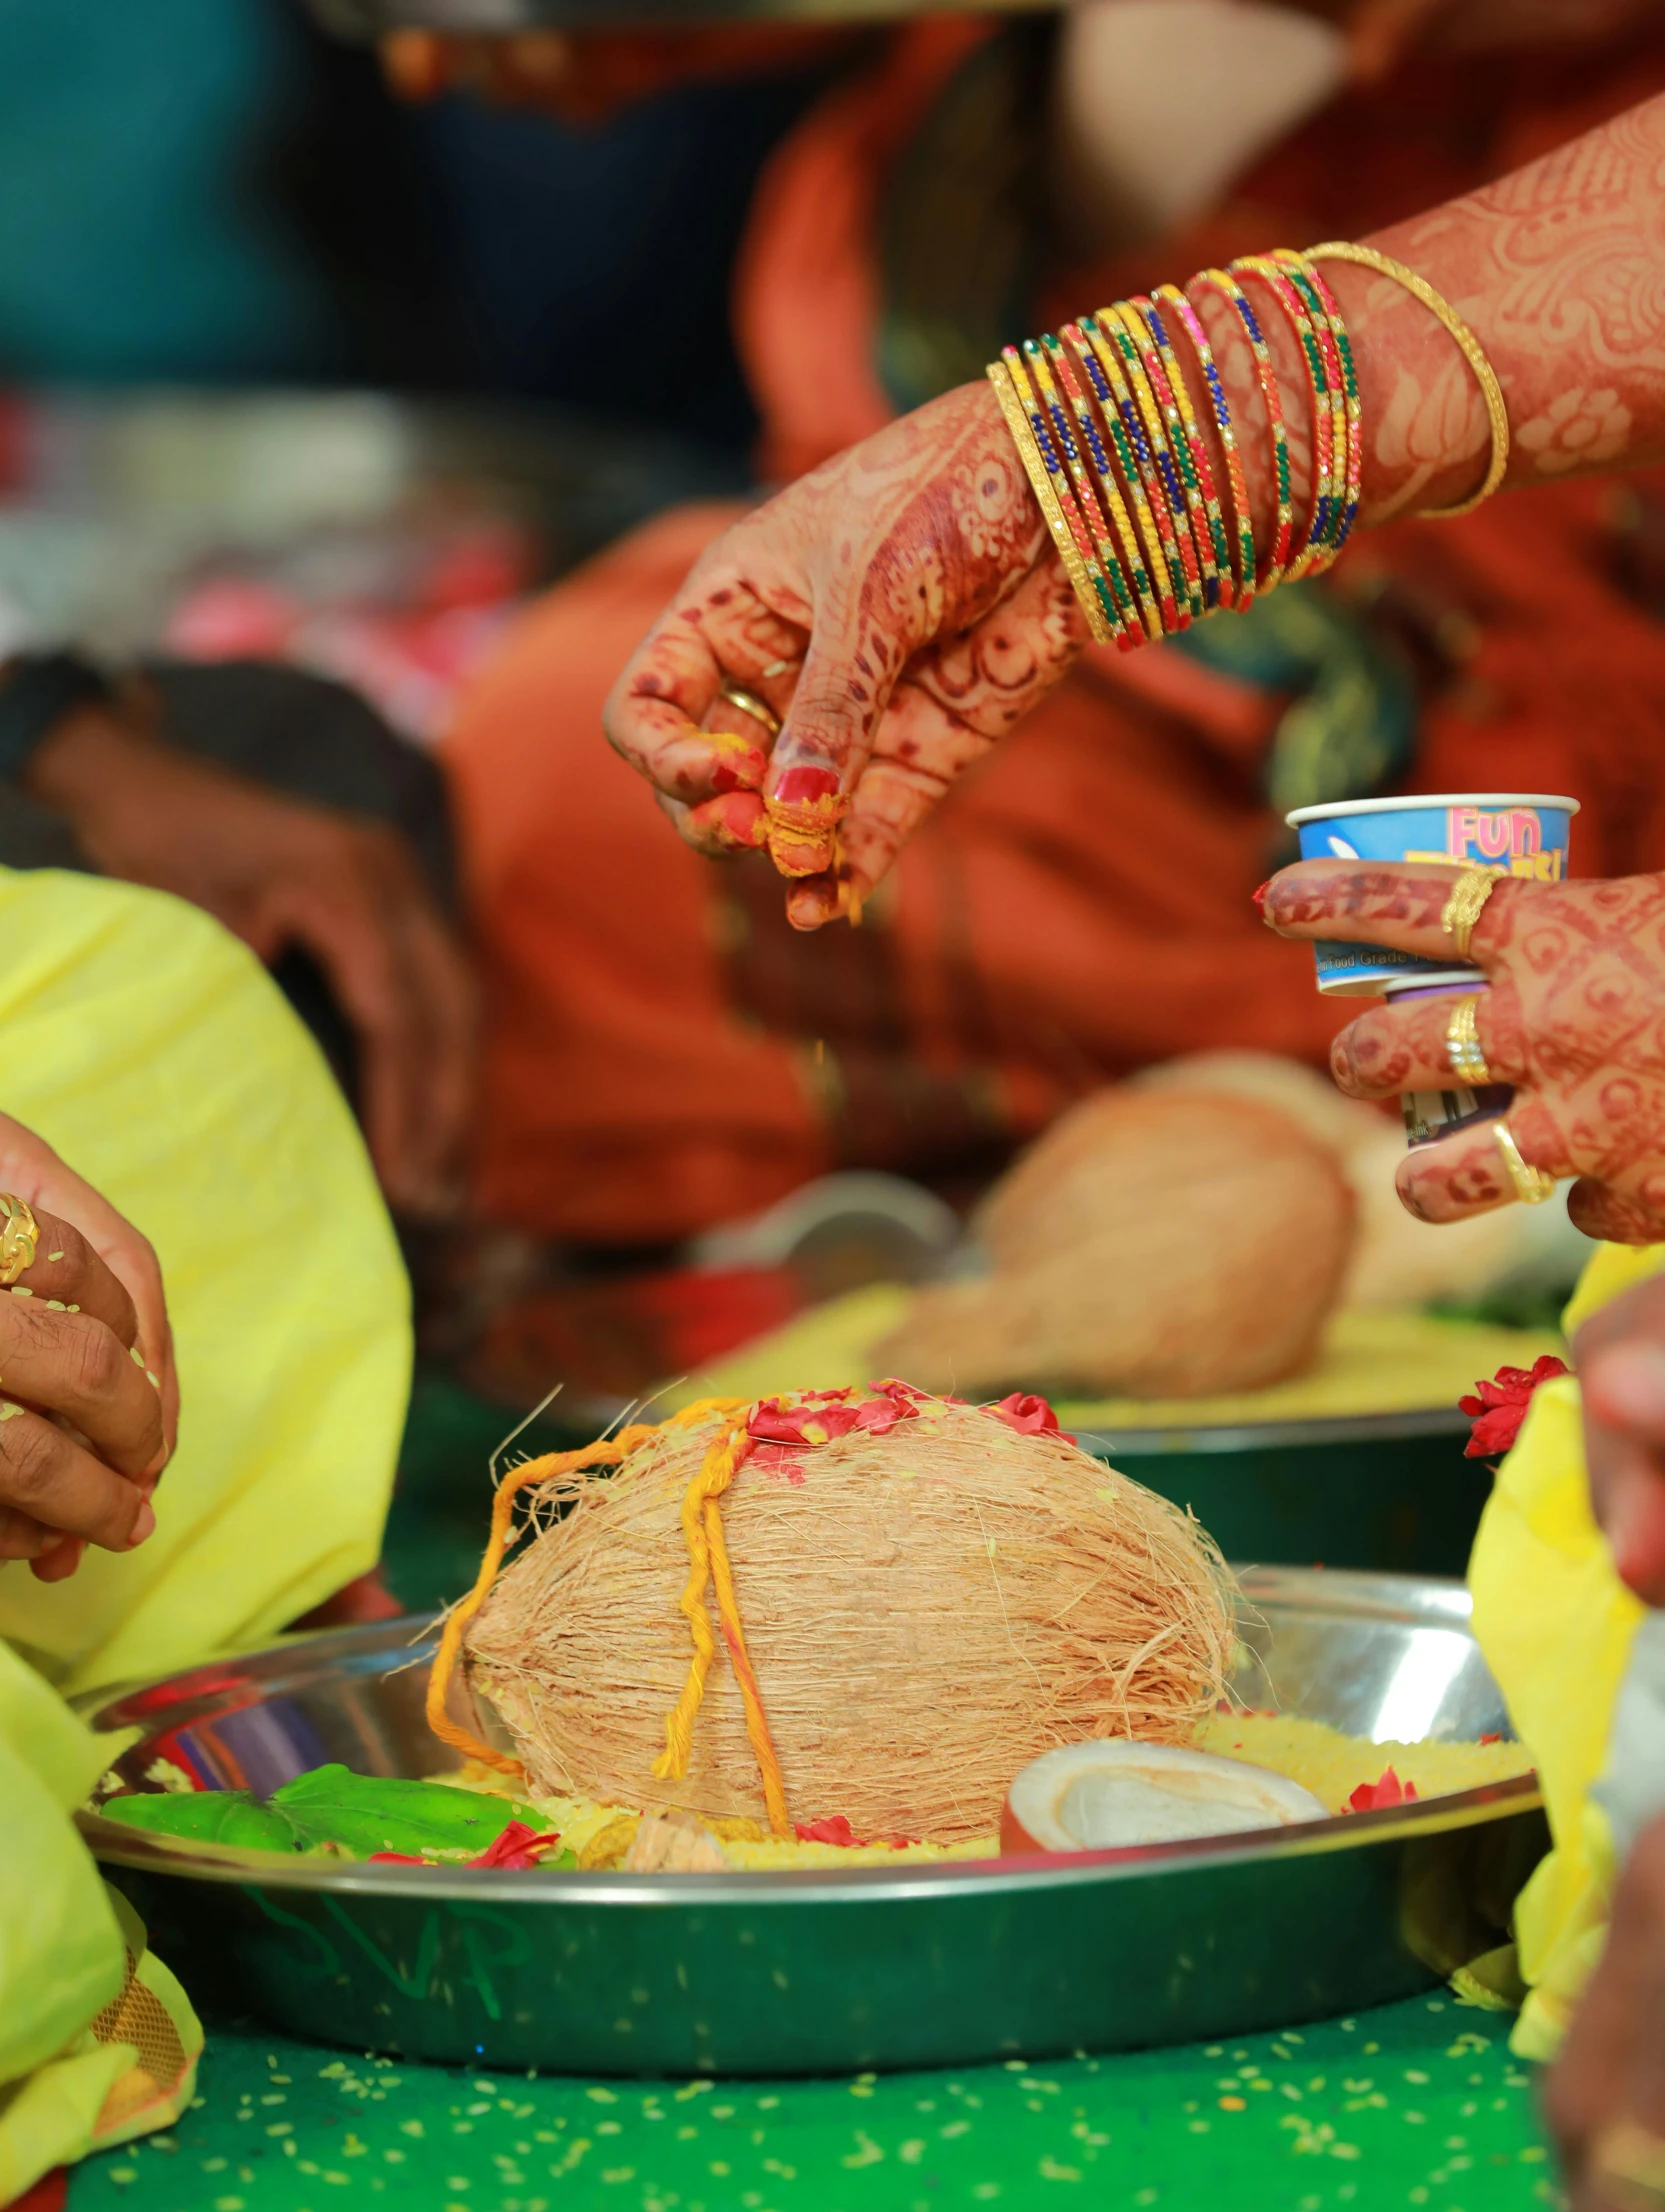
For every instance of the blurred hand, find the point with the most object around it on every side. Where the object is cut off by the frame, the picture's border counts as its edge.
(1574, 1018)
(85, 1426)
(585, 76)
(1620, 1359)
(1605, 2100)
(280, 873)
(898, 609)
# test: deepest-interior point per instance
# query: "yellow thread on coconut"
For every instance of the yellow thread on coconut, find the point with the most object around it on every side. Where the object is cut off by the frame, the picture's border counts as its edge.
(605, 1451)
(702, 1529)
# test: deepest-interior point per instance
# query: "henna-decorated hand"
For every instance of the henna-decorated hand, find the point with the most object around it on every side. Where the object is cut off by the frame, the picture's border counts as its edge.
(1574, 1018)
(899, 609)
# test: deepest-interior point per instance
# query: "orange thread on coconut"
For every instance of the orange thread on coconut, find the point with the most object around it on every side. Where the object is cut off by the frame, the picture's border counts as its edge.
(604, 1452)
(702, 1528)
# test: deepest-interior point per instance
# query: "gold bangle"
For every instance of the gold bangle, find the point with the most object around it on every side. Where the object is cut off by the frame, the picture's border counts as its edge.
(1029, 453)
(1462, 1044)
(19, 1239)
(1491, 391)
(1532, 1185)
(747, 702)
(1463, 907)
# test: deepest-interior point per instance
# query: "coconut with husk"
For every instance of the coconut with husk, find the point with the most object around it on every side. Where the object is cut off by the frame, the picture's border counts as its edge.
(888, 1601)
(1150, 1245)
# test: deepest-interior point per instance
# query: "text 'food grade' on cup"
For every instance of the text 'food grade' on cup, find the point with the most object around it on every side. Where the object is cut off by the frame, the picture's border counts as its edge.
(1512, 833)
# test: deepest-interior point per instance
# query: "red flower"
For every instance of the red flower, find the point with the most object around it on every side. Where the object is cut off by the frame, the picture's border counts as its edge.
(1030, 1416)
(820, 1415)
(1499, 1407)
(518, 1848)
(834, 1829)
(1372, 1797)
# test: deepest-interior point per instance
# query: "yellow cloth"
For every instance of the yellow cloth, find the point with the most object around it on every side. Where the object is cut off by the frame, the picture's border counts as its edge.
(1371, 1362)
(1556, 1623)
(152, 1051)
(67, 1947)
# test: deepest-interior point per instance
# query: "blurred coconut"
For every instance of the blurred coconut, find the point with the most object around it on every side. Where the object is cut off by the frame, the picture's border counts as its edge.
(1154, 1243)
(1529, 1253)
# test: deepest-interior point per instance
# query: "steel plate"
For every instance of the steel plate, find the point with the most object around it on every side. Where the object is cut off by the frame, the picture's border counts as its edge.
(829, 1971)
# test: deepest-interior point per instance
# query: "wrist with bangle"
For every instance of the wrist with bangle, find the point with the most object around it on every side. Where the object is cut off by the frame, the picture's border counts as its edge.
(1151, 533)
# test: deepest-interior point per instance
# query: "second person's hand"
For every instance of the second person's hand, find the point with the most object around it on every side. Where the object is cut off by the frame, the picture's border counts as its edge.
(281, 872)
(1574, 1018)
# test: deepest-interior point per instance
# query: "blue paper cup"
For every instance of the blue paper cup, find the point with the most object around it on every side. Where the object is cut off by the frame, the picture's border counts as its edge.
(1512, 833)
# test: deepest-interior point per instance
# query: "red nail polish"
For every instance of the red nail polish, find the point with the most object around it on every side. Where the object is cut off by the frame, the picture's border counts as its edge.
(803, 786)
(1260, 898)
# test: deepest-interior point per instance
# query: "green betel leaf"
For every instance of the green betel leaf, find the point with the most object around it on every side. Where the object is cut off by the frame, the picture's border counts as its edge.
(370, 1813)
(205, 1816)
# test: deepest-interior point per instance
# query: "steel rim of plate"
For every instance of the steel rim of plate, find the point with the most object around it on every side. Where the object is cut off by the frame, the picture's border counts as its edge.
(1255, 1436)
(1416, 1601)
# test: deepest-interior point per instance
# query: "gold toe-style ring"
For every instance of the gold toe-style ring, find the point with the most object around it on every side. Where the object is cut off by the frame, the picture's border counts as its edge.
(1532, 1185)
(1462, 1044)
(1627, 2164)
(747, 702)
(19, 1238)
(1462, 908)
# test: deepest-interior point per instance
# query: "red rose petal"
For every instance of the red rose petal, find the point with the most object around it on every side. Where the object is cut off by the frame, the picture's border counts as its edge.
(835, 1829)
(1029, 1415)
(1373, 1797)
(518, 1848)
(1500, 1406)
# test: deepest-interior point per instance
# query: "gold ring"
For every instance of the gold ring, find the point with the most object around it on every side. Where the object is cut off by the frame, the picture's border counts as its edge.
(1627, 2163)
(19, 1238)
(749, 703)
(1463, 907)
(1462, 1044)
(1532, 1185)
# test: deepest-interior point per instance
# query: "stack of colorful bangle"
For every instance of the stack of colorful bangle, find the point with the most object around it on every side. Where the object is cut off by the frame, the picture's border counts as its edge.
(1122, 463)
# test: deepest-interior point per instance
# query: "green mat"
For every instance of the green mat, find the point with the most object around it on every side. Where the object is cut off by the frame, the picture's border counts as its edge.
(1417, 2104)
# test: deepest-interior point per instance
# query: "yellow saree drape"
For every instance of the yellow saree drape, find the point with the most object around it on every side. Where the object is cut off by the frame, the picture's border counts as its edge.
(152, 1051)
(1556, 1624)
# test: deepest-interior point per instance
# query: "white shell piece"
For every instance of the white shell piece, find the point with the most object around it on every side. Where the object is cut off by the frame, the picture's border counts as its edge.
(1100, 1795)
